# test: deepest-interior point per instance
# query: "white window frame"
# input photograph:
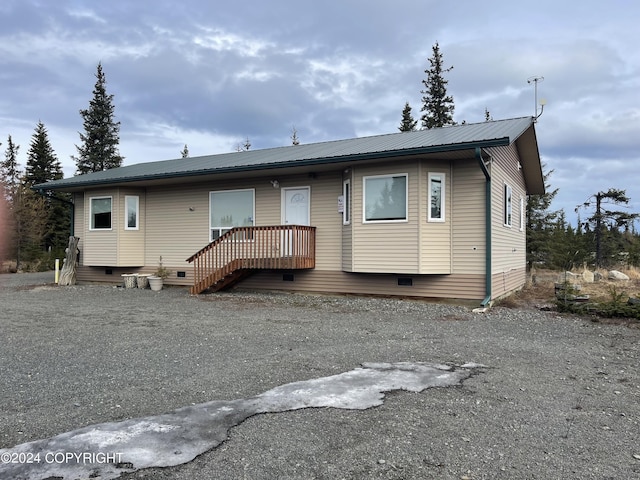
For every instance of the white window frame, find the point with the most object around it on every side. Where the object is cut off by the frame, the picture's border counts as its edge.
(430, 217)
(223, 229)
(136, 205)
(406, 200)
(346, 195)
(91, 218)
(508, 205)
(522, 214)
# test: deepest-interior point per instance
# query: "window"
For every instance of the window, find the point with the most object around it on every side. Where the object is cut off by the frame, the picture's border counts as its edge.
(507, 205)
(228, 209)
(436, 197)
(385, 198)
(100, 213)
(522, 214)
(346, 196)
(131, 212)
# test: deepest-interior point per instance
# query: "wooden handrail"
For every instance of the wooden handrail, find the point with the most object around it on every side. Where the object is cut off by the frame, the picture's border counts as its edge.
(267, 247)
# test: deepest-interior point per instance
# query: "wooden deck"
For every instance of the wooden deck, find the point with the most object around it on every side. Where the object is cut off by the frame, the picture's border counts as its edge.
(244, 250)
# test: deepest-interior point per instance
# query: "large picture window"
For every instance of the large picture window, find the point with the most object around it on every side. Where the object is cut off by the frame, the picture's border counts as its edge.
(100, 213)
(385, 198)
(131, 212)
(436, 197)
(230, 208)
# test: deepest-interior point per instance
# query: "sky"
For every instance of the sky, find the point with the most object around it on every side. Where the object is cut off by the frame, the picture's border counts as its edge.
(212, 74)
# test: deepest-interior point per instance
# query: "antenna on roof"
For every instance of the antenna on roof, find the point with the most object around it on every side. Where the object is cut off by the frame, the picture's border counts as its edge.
(535, 80)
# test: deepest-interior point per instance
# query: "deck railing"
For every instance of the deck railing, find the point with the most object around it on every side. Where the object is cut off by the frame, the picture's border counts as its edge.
(269, 247)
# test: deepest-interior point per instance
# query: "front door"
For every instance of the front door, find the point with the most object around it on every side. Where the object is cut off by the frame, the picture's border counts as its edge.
(295, 211)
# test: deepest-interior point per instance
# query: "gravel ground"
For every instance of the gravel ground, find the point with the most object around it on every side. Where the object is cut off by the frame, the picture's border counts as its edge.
(559, 397)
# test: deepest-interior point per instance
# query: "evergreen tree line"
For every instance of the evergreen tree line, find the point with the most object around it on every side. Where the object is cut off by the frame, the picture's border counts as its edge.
(605, 238)
(38, 222)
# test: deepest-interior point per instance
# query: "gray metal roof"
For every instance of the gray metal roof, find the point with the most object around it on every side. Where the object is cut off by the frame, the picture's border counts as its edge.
(450, 138)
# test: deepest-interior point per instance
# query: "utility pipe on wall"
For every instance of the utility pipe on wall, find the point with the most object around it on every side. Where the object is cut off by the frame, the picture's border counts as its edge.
(487, 219)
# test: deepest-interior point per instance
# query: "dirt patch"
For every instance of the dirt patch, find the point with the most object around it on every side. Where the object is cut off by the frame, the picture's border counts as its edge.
(539, 293)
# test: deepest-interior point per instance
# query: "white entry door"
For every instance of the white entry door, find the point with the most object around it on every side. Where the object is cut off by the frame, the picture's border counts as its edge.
(295, 208)
(295, 211)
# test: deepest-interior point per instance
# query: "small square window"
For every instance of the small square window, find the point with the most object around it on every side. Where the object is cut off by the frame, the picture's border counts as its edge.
(100, 213)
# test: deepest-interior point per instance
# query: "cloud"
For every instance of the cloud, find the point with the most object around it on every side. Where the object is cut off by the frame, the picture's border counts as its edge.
(332, 69)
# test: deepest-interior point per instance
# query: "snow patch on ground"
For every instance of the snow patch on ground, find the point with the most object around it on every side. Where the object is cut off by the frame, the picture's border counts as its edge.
(178, 437)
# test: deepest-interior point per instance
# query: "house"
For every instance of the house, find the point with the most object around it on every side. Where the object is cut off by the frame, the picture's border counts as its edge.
(433, 213)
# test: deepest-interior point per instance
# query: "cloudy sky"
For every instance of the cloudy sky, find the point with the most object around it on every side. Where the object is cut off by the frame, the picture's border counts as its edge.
(211, 74)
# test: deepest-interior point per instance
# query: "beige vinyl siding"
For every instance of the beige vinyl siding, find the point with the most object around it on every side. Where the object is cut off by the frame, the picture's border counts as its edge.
(326, 187)
(469, 287)
(466, 287)
(177, 223)
(435, 237)
(131, 242)
(468, 214)
(507, 281)
(177, 218)
(175, 232)
(112, 275)
(100, 247)
(386, 247)
(508, 243)
(347, 250)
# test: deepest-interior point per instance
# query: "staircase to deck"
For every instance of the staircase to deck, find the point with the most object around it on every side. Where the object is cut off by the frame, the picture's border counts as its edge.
(244, 250)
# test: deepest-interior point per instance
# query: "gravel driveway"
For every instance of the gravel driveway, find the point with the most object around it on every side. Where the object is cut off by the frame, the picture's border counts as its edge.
(559, 397)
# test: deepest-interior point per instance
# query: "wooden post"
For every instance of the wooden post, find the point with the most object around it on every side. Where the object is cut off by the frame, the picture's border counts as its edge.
(68, 272)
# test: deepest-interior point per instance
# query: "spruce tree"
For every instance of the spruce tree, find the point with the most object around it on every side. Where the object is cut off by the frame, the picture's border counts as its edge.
(541, 223)
(9, 171)
(43, 166)
(42, 163)
(9, 188)
(100, 140)
(606, 223)
(29, 218)
(407, 124)
(243, 147)
(437, 105)
(294, 136)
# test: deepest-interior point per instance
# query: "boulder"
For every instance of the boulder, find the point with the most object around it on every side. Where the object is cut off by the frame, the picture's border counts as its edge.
(569, 277)
(588, 276)
(616, 275)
